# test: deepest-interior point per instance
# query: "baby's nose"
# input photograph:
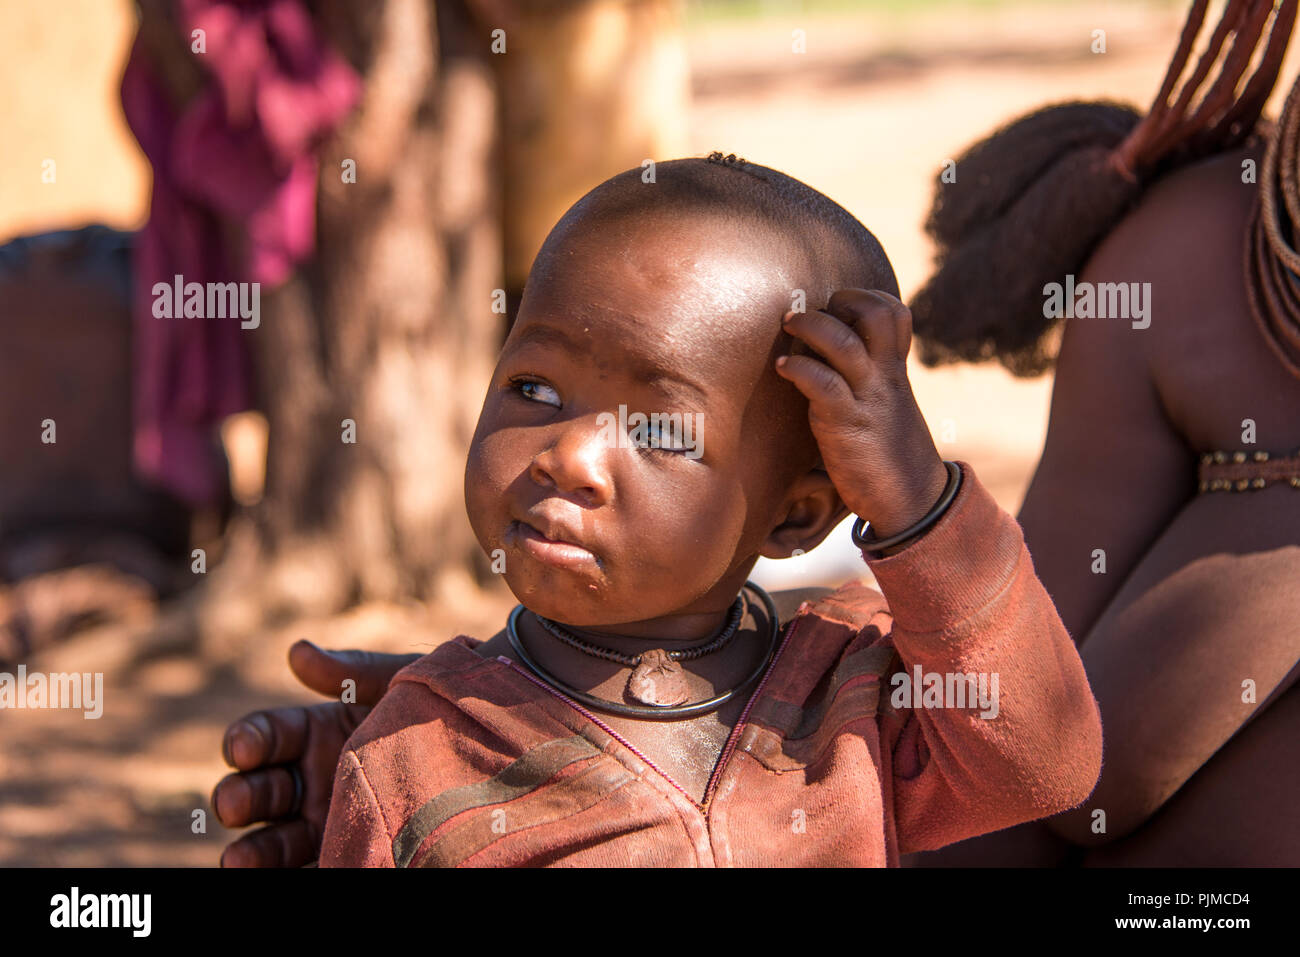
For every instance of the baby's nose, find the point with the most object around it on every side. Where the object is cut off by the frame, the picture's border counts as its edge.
(577, 461)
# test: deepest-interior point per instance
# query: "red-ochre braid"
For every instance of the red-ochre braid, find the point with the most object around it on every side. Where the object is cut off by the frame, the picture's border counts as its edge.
(1222, 119)
(1272, 264)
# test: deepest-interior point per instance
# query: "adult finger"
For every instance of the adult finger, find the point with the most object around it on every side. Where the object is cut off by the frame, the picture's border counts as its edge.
(274, 736)
(254, 796)
(325, 671)
(289, 844)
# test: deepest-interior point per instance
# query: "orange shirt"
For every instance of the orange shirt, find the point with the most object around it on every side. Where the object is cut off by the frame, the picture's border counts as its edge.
(474, 761)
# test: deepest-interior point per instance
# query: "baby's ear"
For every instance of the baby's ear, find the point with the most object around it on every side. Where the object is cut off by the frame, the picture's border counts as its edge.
(813, 508)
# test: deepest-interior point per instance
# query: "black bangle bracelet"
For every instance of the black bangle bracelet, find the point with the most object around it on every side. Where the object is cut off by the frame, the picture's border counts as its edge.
(930, 517)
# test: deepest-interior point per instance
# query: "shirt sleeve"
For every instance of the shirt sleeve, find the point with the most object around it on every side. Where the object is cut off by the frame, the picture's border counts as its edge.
(355, 832)
(965, 602)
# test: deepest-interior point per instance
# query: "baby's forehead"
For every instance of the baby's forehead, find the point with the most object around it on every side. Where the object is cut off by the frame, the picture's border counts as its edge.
(666, 276)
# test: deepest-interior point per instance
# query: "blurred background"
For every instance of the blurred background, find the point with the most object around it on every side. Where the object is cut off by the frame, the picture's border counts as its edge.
(183, 569)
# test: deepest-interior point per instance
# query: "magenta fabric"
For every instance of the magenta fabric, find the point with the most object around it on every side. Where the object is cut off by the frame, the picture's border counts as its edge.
(234, 200)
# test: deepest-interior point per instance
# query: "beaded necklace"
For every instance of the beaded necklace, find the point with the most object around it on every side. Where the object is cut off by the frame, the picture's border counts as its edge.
(661, 679)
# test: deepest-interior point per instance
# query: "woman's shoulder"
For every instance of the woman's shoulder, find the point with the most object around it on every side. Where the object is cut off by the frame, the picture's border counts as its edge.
(1191, 220)
(1184, 243)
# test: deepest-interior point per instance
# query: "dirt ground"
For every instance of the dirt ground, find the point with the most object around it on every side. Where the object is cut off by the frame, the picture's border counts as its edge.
(868, 115)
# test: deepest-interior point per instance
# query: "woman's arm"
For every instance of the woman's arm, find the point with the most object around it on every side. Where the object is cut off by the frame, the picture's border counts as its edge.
(1191, 649)
(1113, 472)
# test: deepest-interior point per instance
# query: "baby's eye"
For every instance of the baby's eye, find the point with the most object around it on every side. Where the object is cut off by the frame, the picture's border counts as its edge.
(536, 391)
(662, 436)
(664, 439)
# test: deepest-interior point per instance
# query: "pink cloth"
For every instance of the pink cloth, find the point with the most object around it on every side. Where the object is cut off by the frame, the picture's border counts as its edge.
(241, 154)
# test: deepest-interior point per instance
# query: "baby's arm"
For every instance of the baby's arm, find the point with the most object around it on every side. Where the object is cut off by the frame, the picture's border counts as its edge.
(964, 598)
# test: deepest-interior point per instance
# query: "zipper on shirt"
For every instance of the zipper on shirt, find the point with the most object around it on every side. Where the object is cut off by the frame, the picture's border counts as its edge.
(600, 724)
(744, 716)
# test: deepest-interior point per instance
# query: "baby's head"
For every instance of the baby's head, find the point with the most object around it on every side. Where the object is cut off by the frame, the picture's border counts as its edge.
(662, 297)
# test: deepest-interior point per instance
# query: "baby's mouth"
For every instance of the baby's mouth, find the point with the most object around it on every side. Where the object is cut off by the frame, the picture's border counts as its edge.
(551, 551)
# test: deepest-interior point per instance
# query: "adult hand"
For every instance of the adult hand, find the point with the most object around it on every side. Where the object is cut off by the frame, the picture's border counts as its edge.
(268, 748)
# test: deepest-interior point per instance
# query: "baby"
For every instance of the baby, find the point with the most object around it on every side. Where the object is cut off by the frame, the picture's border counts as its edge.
(644, 704)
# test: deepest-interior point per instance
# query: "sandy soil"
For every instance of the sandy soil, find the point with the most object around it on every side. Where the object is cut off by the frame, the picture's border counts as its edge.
(868, 115)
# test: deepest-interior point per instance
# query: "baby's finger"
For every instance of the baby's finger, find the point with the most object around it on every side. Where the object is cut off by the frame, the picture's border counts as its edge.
(275, 736)
(255, 796)
(815, 379)
(839, 345)
(291, 844)
(881, 319)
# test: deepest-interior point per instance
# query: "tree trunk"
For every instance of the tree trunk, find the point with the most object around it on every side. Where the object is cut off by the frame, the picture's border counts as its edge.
(391, 327)
(590, 88)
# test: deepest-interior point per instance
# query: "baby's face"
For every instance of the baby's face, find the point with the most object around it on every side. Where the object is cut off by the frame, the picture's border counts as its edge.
(596, 528)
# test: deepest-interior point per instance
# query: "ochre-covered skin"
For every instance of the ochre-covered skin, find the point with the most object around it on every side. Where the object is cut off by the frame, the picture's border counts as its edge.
(1201, 591)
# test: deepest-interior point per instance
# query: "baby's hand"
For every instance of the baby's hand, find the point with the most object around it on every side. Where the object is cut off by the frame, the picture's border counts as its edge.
(874, 442)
